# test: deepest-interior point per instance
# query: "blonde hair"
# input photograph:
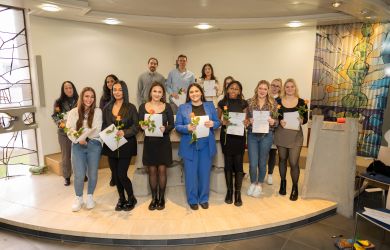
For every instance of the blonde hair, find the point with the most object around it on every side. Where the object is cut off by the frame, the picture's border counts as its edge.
(269, 99)
(296, 94)
(279, 80)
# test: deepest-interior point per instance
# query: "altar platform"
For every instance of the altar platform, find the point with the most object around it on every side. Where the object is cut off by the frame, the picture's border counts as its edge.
(41, 206)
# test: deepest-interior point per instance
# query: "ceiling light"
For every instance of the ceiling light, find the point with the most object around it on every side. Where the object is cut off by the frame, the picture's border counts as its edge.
(111, 21)
(364, 12)
(336, 4)
(50, 7)
(294, 24)
(203, 26)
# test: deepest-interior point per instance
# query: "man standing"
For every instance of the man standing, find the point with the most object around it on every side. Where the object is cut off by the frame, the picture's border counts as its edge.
(146, 80)
(178, 81)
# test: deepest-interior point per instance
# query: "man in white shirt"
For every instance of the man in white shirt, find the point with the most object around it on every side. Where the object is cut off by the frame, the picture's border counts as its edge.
(178, 81)
(146, 80)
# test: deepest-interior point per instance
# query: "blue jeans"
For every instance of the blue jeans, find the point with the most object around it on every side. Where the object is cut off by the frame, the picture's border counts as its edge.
(259, 146)
(85, 160)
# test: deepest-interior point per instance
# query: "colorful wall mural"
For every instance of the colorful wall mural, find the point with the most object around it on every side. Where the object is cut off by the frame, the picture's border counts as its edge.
(351, 78)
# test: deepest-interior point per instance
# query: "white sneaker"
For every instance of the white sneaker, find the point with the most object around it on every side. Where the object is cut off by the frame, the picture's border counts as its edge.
(251, 189)
(77, 204)
(269, 179)
(90, 202)
(257, 191)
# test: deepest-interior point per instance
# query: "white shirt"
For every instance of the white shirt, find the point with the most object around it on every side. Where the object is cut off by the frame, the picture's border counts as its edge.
(73, 117)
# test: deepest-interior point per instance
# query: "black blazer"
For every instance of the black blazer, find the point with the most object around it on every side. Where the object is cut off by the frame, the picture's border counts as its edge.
(129, 117)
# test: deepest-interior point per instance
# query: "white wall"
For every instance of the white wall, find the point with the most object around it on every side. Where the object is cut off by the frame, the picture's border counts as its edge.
(250, 56)
(85, 53)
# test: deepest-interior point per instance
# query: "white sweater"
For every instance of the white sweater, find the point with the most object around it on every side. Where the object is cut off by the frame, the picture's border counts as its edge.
(73, 117)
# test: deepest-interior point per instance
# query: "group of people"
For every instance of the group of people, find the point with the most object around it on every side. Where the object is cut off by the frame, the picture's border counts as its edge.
(74, 114)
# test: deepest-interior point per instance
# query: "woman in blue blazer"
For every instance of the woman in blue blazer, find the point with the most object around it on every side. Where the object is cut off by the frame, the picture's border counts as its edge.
(198, 154)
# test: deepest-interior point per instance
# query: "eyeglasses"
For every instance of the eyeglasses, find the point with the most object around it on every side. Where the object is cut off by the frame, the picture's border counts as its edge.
(275, 86)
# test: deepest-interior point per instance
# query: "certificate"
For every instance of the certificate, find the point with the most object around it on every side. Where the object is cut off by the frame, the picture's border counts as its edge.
(86, 132)
(181, 100)
(236, 126)
(292, 120)
(157, 118)
(201, 129)
(260, 122)
(209, 88)
(108, 137)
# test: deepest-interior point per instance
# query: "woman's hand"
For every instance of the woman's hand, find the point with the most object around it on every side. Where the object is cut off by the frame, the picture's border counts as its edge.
(271, 121)
(300, 120)
(246, 122)
(225, 122)
(283, 123)
(120, 133)
(162, 128)
(144, 127)
(209, 124)
(191, 128)
(83, 142)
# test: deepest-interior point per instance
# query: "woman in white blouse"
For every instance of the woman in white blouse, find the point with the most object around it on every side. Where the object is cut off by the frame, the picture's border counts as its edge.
(85, 118)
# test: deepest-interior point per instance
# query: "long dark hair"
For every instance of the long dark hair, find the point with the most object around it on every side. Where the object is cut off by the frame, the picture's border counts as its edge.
(106, 91)
(126, 103)
(163, 88)
(204, 73)
(63, 96)
(202, 98)
(81, 109)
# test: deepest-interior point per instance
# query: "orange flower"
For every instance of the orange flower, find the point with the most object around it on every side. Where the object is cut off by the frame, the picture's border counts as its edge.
(225, 107)
(61, 125)
(279, 106)
(192, 115)
(118, 118)
(307, 101)
(151, 111)
(57, 109)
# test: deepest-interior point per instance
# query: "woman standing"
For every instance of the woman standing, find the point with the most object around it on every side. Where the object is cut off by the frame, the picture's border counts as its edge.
(85, 153)
(197, 153)
(124, 116)
(66, 102)
(289, 141)
(104, 100)
(259, 144)
(157, 153)
(208, 75)
(276, 88)
(233, 146)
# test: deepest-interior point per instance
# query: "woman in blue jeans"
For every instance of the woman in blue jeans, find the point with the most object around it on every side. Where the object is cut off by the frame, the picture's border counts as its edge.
(85, 153)
(259, 144)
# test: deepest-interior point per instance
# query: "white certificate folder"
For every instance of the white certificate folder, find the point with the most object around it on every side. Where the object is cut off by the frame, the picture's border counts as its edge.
(108, 137)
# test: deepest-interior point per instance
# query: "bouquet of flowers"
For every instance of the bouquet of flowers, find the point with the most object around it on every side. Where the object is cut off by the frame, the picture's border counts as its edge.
(60, 117)
(275, 113)
(303, 109)
(149, 122)
(194, 122)
(74, 133)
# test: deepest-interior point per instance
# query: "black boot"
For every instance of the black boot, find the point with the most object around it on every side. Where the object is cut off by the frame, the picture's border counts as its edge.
(229, 186)
(85, 178)
(130, 204)
(282, 189)
(237, 186)
(161, 200)
(120, 205)
(112, 182)
(154, 202)
(294, 192)
(67, 182)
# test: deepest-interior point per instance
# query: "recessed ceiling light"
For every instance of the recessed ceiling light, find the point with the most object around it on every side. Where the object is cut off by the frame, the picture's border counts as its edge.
(111, 21)
(50, 7)
(203, 26)
(294, 24)
(364, 12)
(336, 4)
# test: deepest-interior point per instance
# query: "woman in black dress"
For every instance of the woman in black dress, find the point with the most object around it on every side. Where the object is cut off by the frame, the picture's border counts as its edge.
(104, 100)
(66, 102)
(121, 111)
(157, 153)
(233, 146)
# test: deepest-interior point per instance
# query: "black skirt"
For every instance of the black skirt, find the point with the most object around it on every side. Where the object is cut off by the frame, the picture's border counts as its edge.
(157, 151)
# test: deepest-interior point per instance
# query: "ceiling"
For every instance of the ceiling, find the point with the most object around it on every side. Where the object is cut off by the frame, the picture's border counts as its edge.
(178, 17)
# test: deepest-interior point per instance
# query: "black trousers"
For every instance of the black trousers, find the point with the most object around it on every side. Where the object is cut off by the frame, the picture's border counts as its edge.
(120, 166)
